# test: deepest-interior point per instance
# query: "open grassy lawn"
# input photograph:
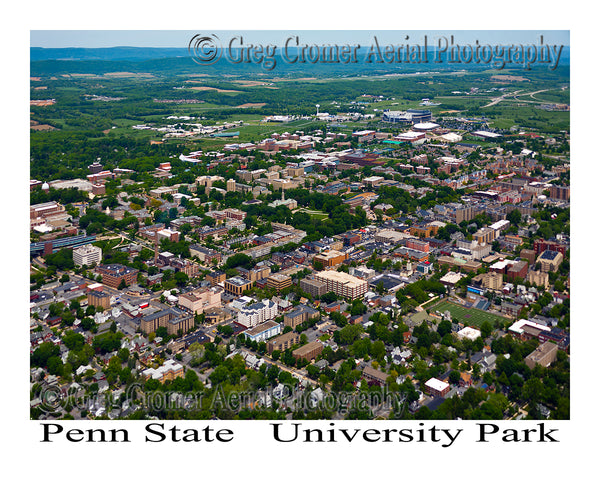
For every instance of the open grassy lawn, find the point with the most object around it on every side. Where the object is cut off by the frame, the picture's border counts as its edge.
(314, 213)
(468, 316)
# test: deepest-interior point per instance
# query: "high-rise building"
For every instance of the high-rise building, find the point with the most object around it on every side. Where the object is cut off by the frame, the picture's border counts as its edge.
(257, 313)
(343, 284)
(87, 255)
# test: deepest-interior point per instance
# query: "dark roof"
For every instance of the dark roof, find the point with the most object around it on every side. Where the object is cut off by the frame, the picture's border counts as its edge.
(549, 254)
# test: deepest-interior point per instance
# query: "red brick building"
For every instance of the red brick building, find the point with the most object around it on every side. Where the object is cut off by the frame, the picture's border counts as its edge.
(542, 245)
(113, 274)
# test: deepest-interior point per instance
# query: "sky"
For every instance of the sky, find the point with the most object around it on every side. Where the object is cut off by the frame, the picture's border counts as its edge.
(180, 38)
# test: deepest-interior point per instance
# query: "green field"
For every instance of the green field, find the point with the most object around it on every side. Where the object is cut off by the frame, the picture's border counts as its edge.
(314, 213)
(468, 316)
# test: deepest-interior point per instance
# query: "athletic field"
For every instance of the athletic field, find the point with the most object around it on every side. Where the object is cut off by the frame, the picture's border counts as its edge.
(469, 316)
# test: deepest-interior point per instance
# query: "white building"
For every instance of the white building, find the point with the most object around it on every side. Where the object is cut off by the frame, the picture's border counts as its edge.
(468, 332)
(86, 255)
(257, 313)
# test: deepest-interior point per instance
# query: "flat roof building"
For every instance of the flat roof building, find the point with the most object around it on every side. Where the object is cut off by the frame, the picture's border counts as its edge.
(343, 284)
(113, 274)
(283, 342)
(87, 255)
(237, 285)
(309, 352)
(313, 286)
(257, 313)
(264, 331)
(279, 281)
(543, 355)
(436, 387)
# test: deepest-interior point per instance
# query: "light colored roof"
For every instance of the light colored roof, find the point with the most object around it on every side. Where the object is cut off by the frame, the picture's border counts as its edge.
(469, 332)
(451, 277)
(517, 327)
(426, 125)
(341, 277)
(436, 384)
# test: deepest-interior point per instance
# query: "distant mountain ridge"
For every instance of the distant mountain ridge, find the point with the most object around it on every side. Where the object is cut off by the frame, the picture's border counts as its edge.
(161, 61)
(109, 53)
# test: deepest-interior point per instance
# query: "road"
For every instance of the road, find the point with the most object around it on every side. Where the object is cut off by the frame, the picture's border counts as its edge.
(499, 99)
(283, 367)
(515, 96)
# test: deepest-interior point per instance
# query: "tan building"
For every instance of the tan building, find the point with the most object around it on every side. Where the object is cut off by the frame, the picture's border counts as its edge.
(493, 281)
(538, 278)
(550, 260)
(237, 285)
(343, 284)
(484, 235)
(98, 299)
(258, 273)
(216, 277)
(528, 255)
(313, 286)
(309, 352)
(372, 375)
(298, 316)
(216, 315)
(283, 342)
(200, 300)
(330, 258)
(173, 320)
(293, 171)
(279, 281)
(543, 355)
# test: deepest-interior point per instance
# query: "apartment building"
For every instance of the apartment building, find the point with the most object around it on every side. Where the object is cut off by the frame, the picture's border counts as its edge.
(309, 352)
(173, 319)
(283, 342)
(343, 284)
(98, 299)
(279, 281)
(299, 315)
(257, 313)
(313, 286)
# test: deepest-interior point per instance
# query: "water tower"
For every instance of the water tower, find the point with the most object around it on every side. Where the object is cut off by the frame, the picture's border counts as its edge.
(317, 105)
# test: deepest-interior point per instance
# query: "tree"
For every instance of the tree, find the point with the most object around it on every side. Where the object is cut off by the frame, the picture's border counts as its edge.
(65, 278)
(454, 377)
(122, 284)
(486, 329)
(514, 217)
(73, 341)
(358, 307)
(181, 279)
(123, 355)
